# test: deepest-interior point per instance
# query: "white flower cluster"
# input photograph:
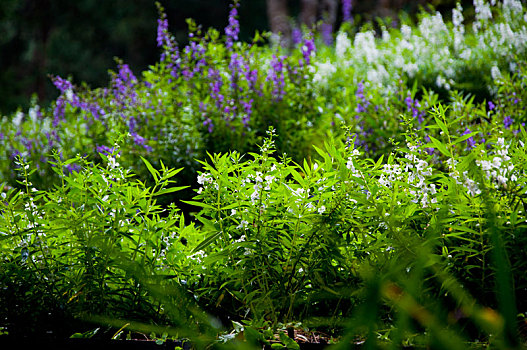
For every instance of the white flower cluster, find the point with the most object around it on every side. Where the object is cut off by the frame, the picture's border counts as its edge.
(440, 50)
(112, 163)
(342, 45)
(198, 257)
(206, 179)
(260, 182)
(366, 47)
(413, 171)
(483, 14)
(418, 170)
(324, 72)
(459, 29)
(500, 168)
(470, 185)
(17, 120)
(391, 173)
(350, 164)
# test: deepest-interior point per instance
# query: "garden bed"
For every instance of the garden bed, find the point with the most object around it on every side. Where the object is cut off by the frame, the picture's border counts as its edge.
(366, 189)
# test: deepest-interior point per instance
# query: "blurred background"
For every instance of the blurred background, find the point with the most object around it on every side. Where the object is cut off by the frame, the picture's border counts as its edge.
(80, 39)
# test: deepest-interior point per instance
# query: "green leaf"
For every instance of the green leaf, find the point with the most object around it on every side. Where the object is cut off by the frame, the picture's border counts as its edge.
(297, 177)
(254, 337)
(170, 190)
(151, 169)
(199, 204)
(207, 241)
(440, 146)
(288, 342)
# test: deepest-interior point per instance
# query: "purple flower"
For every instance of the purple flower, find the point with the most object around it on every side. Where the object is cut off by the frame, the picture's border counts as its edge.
(63, 85)
(507, 122)
(123, 83)
(233, 28)
(346, 10)
(296, 36)
(70, 168)
(362, 102)
(59, 111)
(235, 66)
(308, 48)
(470, 141)
(164, 39)
(276, 75)
(413, 106)
(491, 106)
(15, 154)
(162, 31)
(216, 82)
(251, 75)
(327, 33)
(247, 108)
(208, 122)
(104, 150)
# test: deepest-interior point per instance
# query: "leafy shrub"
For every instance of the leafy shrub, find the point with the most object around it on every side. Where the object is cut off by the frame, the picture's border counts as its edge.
(91, 246)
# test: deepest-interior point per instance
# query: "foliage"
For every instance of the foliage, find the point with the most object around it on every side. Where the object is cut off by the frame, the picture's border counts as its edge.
(385, 203)
(92, 246)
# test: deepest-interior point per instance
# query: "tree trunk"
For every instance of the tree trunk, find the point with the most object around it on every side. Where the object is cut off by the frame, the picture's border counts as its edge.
(279, 20)
(308, 14)
(329, 11)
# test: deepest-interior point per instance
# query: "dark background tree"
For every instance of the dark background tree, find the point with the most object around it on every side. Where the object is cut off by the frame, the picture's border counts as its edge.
(81, 38)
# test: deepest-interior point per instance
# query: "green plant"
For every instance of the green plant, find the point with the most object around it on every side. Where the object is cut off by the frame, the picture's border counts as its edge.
(90, 246)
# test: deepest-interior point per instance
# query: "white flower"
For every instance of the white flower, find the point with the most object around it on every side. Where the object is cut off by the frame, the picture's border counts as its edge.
(299, 192)
(495, 73)
(204, 178)
(343, 43)
(321, 210)
(33, 113)
(255, 196)
(457, 15)
(483, 12)
(243, 224)
(17, 120)
(324, 71)
(472, 187)
(112, 163)
(69, 95)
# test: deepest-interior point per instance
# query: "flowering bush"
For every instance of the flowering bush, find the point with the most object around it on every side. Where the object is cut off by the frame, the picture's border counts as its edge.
(389, 184)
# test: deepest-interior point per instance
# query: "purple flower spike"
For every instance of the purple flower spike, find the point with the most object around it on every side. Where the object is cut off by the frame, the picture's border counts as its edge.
(71, 168)
(104, 150)
(233, 28)
(308, 48)
(470, 141)
(346, 10)
(362, 102)
(296, 36)
(162, 31)
(276, 75)
(507, 122)
(327, 33)
(62, 84)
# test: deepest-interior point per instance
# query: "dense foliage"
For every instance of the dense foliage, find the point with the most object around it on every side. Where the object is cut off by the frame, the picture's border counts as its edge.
(374, 189)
